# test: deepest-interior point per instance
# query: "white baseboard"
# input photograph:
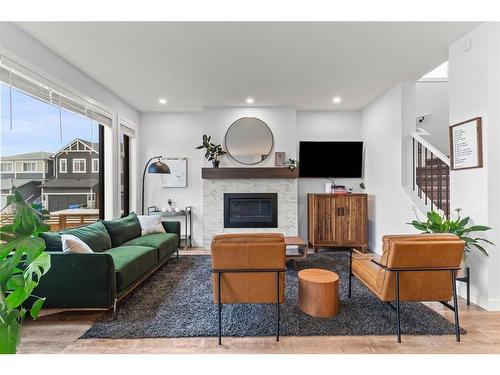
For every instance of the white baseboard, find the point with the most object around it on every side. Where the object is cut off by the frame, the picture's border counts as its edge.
(493, 304)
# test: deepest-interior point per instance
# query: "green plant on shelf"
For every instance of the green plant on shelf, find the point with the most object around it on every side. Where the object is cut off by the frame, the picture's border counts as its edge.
(212, 150)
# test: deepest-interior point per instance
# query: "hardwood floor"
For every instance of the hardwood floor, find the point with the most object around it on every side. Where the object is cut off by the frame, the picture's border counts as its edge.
(58, 331)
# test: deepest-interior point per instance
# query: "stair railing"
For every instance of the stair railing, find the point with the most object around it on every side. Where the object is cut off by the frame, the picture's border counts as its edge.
(431, 173)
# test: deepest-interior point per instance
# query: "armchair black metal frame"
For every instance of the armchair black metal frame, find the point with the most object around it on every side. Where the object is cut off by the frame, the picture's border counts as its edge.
(397, 308)
(219, 273)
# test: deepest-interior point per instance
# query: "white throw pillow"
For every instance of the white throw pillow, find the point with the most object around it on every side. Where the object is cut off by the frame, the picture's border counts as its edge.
(150, 224)
(73, 245)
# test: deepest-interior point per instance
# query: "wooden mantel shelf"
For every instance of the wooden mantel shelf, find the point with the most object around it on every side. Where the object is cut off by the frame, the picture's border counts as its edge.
(214, 173)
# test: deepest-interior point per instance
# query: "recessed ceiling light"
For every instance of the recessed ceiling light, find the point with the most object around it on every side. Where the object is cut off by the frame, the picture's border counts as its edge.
(337, 99)
(162, 101)
(250, 100)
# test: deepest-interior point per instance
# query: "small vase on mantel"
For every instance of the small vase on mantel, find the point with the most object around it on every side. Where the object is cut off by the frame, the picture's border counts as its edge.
(215, 163)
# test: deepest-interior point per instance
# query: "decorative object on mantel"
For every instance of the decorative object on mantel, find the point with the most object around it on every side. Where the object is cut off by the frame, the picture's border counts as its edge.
(249, 141)
(438, 223)
(157, 167)
(291, 164)
(279, 159)
(466, 145)
(178, 173)
(212, 152)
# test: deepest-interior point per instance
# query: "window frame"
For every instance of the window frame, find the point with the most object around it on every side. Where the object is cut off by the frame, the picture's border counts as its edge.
(4, 163)
(84, 165)
(96, 161)
(31, 163)
(65, 160)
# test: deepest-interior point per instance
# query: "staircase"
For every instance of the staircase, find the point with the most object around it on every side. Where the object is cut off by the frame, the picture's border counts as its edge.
(431, 175)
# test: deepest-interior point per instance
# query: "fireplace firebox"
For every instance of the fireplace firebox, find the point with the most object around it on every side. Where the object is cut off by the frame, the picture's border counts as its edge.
(250, 210)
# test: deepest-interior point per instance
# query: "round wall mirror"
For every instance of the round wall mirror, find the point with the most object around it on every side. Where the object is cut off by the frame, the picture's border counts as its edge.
(249, 140)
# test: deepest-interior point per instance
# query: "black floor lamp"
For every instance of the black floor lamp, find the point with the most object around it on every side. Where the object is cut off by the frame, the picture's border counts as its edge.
(156, 167)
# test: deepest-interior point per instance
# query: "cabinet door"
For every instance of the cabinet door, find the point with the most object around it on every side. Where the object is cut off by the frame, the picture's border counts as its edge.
(326, 208)
(352, 220)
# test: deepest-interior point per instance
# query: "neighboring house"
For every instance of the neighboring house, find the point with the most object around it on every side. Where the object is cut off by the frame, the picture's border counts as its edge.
(25, 172)
(76, 177)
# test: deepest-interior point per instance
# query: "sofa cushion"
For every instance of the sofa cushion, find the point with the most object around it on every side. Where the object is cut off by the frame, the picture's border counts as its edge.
(94, 235)
(166, 243)
(124, 229)
(131, 262)
(73, 245)
(52, 241)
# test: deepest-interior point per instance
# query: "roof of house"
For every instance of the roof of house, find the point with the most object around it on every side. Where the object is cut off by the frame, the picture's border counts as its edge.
(70, 183)
(93, 146)
(38, 155)
(8, 183)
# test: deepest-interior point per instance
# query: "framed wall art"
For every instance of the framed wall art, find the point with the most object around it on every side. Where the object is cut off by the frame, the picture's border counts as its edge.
(178, 173)
(466, 145)
(279, 159)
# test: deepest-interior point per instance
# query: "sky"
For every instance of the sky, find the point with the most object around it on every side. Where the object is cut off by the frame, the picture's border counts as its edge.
(36, 125)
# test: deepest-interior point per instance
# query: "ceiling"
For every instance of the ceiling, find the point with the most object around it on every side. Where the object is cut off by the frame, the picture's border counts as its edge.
(300, 64)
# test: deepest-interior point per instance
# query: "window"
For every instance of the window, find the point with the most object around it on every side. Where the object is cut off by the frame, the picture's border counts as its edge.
(6, 167)
(29, 166)
(48, 125)
(95, 165)
(63, 165)
(79, 166)
(125, 174)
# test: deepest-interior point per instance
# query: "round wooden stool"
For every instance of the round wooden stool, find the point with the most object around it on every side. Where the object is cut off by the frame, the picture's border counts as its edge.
(319, 292)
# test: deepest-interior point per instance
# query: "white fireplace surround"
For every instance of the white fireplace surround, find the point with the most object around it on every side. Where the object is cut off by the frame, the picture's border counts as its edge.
(213, 204)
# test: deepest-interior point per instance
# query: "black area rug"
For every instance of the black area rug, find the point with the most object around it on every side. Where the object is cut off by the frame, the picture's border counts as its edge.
(177, 302)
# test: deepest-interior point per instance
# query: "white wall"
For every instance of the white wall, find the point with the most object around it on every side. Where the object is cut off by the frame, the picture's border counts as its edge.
(25, 50)
(174, 135)
(281, 121)
(433, 97)
(323, 126)
(474, 91)
(385, 125)
(177, 135)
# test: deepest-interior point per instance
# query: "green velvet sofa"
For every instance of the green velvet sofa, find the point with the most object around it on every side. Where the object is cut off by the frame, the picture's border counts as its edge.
(122, 260)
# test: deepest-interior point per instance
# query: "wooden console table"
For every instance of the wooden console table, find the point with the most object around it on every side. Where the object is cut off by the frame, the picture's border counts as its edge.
(337, 220)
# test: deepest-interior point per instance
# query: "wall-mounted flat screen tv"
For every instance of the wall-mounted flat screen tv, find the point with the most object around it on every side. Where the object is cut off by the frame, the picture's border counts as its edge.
(330, 159)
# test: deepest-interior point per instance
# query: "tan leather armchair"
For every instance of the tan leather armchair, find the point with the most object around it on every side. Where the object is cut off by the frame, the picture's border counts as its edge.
(248, 268)
(414, 268)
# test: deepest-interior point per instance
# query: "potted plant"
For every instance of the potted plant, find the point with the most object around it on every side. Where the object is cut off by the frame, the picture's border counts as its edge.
(22, 264)
(212, 152)
(291, 164)
(438, 223)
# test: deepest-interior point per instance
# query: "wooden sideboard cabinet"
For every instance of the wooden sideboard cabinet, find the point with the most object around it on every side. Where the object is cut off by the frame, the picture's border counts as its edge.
(337, 220)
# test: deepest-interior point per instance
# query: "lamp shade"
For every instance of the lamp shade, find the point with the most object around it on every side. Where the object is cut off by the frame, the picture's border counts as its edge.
(158, 167)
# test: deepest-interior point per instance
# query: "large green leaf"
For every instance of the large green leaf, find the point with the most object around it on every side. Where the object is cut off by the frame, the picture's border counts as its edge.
(478, 228)
(16, 298)
(15, 281)
(9, 337)
(37, 306)
(42, 263)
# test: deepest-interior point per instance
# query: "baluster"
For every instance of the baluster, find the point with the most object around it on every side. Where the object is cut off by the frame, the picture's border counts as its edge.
(414, 170)
(448, 192)
(440, 186)
(419, 163)
(426, 191)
